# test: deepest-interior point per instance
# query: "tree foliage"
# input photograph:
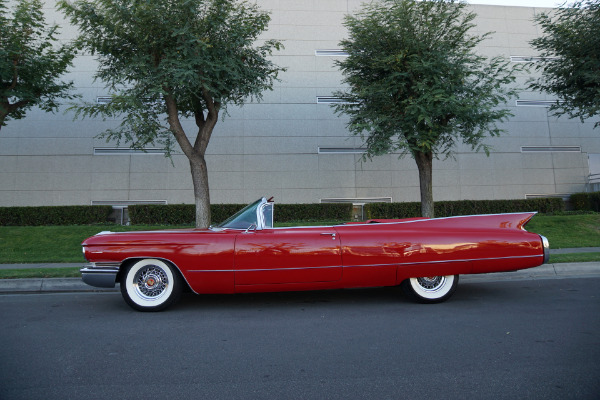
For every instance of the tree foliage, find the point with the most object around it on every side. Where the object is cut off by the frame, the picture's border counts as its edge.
(570, 59)
(30, 61)
(415, 84)
(165, 61)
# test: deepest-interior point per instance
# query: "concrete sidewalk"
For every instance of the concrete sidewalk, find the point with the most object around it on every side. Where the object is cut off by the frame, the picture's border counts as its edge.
(546, 271)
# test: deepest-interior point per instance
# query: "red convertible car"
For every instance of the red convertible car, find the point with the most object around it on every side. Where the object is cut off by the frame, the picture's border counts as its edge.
(247, 254)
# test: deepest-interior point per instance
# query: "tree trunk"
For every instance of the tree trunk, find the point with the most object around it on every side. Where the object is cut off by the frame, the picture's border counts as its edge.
(425, 165)
(201, 192)
(195, 154)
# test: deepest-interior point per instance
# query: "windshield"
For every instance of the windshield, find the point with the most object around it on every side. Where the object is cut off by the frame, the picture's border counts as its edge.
(258, 215)
(244, 218)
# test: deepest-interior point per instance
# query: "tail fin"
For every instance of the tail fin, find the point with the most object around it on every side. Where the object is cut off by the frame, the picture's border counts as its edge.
(486, 221)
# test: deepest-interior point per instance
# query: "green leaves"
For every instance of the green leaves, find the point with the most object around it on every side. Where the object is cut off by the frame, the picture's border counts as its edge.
(570, 59)
(415, 82)
(31, 62)
(199, 54)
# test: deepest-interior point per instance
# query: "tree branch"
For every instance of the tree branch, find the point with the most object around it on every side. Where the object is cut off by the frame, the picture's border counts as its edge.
(212, 117)
(17, 105)
(175, 124)
(198, 112)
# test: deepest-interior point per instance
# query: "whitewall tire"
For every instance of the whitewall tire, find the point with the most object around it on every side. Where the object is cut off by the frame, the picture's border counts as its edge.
(151, 285)
(431, 289)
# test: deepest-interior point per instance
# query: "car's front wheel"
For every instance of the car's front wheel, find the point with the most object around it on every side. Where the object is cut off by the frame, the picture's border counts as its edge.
(430, 289)
(151, 285)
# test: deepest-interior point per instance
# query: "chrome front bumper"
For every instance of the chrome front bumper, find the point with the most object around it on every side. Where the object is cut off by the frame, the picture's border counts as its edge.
(102, 275)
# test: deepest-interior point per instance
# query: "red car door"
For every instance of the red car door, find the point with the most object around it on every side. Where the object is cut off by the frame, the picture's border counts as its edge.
(287, 256)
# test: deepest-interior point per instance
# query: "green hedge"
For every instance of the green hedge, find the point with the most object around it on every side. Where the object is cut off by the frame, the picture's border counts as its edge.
(54, 215)
(463, 207)
(392, 210)
(313, 212)
(586, 201)
(181, 214)
(177, 214)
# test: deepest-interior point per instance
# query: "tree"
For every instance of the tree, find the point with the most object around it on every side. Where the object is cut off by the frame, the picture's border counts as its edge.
(166, 61)
(30, 64)
(570, 59)
(415, 84)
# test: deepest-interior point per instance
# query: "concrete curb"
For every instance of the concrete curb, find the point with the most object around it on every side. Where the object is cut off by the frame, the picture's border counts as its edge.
(546, 271)
(48, 285)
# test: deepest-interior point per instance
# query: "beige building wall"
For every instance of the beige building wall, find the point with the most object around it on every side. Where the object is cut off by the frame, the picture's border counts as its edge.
(272, 148)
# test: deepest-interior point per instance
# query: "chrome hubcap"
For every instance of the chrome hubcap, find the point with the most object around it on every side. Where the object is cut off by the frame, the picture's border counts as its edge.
(431, 283)
(151, 282)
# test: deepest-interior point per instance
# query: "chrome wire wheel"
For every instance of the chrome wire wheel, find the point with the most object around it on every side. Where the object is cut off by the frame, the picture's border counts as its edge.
(151, 285)
(430, 289)
(151, 282)
(431, 283)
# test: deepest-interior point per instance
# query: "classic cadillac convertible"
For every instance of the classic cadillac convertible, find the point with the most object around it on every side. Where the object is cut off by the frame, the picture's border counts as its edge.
(247, 254)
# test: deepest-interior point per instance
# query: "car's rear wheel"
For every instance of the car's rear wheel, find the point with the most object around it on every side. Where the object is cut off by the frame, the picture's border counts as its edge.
(151, 285)
(430, 289)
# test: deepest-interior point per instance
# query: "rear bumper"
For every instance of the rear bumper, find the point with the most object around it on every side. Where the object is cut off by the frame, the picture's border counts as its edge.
(546, 246)
(102, 275)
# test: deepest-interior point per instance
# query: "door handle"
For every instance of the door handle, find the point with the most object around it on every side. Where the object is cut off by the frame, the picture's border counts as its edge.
(329, 234)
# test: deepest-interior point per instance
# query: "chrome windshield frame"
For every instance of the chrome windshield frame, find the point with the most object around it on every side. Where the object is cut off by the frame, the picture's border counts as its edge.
(262, 217)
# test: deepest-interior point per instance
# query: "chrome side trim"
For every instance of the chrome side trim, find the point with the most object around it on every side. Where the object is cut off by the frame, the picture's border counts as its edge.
(443, 261)
(473, 259)
(369, 265)
(283, 269)
(211, 270)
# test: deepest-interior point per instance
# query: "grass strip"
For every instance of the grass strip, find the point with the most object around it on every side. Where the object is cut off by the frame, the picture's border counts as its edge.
(54, 244)
(567, 231)
(574, 258)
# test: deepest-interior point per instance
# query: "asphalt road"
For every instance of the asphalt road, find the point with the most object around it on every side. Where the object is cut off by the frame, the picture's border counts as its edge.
(493, 340)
